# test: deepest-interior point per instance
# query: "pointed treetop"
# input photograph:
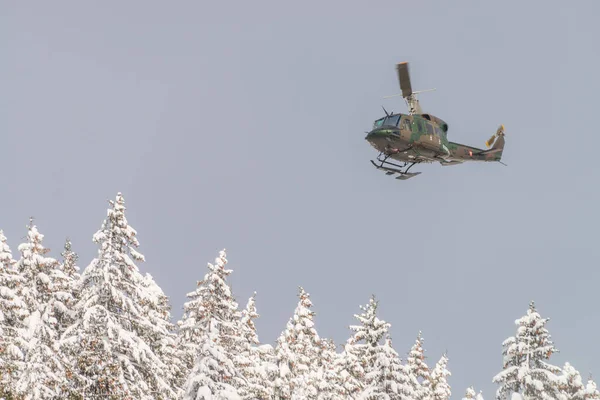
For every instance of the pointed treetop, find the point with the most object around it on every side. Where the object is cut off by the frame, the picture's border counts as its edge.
(591, 390)
(470, 394)
(219, 266)
(6, 258)
(69, 259)
(416, 359)
(371, 328)
(304, 297)
(439, 375)
(116, 233)
(34, 240)
(248, 315)
(67, 244)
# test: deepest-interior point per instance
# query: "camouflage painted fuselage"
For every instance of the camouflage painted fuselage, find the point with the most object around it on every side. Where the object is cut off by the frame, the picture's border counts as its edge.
(423, 138)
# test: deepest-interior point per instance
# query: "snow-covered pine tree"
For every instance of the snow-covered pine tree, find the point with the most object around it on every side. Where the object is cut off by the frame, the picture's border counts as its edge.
(209, 337)
(12, 313)
(526, 370)
(349, 369)
(67, 279)
(43, 375)
(107, 343)
(268, 362)
(297, 353)
(471, 395)
(389, 379)
(360, 352)
(572, 388)
(591, 391)
(161, 333)
(570, 383)
(329, 382)
(418, 370)
(248, 358)
(440, 387)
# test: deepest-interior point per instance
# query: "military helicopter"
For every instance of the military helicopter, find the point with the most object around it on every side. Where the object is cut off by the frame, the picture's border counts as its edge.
(416, 137)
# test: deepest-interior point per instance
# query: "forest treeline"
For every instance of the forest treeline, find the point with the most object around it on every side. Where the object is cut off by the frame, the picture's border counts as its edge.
(107, 333)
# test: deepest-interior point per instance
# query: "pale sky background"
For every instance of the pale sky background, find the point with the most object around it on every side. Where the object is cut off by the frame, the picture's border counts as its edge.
(241, 125)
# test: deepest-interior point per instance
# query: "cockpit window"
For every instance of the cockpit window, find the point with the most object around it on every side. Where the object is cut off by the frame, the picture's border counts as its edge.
(378, 123)
(392, 120)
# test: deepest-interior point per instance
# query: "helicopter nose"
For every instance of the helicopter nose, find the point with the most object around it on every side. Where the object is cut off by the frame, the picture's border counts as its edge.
(380, 133)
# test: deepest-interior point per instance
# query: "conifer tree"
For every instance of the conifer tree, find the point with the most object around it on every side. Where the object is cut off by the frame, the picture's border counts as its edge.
(248, 358)
(418, 370)
(591, 391)
(161, 334)
(269, 368)
(297, 353)
(329, 382)
(361, 349)
(43, 375)
(12, 313)
(471, 395)
(108, 344)
(68, 281)
(349, 370)
(439, 380)
(209, 336)
(389, 379)
(572, 388)
(526, 370)
(571, 384)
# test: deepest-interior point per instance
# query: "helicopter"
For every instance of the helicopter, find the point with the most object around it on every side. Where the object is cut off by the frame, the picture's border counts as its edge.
(419, 137)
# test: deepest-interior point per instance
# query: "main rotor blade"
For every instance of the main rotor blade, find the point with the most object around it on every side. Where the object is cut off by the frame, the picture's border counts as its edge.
(404, 79)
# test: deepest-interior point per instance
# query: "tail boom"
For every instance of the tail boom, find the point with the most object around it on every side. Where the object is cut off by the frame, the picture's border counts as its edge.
(461, 152)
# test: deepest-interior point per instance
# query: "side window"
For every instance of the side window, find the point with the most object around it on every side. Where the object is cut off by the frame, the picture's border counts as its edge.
(417, 125)
(429, 128)
(406, 124)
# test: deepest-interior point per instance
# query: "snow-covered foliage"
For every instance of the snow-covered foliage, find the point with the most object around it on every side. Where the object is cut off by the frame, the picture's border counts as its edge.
(107, 334)
(110, 343)
(439, 380)
(297, 353)
(591, 390)
(472, 395)
(361, 347)
(418, 368)
(525, 369)
(67, 280)
(571, 385)
(329, 382)
(249, 359)
(388, 379)
(12, 313)
(161, 334)
(209, 336)
(43, 375)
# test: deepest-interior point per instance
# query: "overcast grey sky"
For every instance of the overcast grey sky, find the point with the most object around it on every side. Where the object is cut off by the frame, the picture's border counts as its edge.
(241, 126)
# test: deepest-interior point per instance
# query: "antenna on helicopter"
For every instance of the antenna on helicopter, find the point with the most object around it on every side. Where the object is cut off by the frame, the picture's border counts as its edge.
(409, 96)
(385, 111)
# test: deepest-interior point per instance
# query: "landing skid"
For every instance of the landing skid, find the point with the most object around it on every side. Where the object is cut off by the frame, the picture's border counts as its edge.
(402, 174)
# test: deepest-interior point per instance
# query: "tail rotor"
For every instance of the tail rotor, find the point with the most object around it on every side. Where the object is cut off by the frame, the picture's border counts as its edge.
(492, 140)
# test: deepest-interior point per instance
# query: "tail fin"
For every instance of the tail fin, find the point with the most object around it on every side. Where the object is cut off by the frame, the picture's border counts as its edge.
(496, 142)
(499, 134)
